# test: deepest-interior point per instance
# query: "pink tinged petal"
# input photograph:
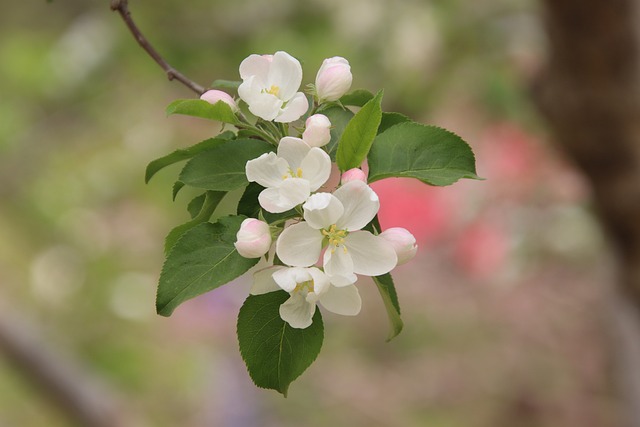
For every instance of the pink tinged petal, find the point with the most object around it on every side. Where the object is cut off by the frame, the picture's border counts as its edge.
(371, 255)
(213, 96)
(290, 193)
(402, 242)
(322, 210)
(285, 72)
(321, 283)
(338, 265)
(333, 79)
(263, 281)
(255, 65)
(316, 168)
(253, 239)
(288, 278)
(294, 109)
(293, 150)
(267, 170)
(360, 203)
(345, 301)
(317, 132)
(297, 312)
(355, 174)
(299, 245)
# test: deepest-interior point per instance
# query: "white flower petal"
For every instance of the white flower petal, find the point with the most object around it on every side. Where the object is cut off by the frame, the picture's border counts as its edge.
(290, 193)
(361, 204)
(297, 312)
(267, 170)
(338, 265)
(371, 255)
(288, 278)
(250, 89)
(263, 281)
(285, 72)
(255, 65)
(265, 105)
(321, 282)
(316, 168)
(293, 150)
(322, 210)
(345, 301)
(299, 245)
(295, 108)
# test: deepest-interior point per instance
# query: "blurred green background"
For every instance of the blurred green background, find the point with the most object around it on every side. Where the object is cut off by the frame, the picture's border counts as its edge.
(503, 307)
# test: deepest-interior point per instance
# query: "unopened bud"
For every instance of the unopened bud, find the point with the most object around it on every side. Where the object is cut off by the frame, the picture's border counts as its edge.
(213, 96)
(354, 174)
(317, 132)
(253, 238)
(403, 243)
(333, 79)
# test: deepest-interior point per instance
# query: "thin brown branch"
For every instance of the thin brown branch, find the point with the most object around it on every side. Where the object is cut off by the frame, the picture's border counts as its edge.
(122, 7)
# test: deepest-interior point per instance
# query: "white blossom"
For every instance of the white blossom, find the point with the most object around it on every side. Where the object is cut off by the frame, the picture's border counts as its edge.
(306, 287)
(270, 86)
(336, 220)
(290, 175)
(317, 132)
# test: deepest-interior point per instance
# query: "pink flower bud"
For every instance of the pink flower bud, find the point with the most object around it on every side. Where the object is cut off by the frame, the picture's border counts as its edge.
(213, 96)
(333, 79)
(253, 238)
(317, 132)
(403, 243)
(354, 174)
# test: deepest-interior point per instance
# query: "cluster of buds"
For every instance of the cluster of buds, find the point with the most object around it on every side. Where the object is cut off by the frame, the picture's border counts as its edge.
(322, 248)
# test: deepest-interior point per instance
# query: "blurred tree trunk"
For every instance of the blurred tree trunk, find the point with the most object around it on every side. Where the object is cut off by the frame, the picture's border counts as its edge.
(590, 94)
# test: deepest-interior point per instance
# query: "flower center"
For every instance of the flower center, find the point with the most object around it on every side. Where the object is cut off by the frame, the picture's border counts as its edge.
(304, 286)
(292, 174)
(335, 236)
(273, 90)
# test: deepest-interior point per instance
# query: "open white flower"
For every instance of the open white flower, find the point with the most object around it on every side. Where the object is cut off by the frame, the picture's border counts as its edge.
(334, 220)
(306, 287)
(270, 87)
(289, 176)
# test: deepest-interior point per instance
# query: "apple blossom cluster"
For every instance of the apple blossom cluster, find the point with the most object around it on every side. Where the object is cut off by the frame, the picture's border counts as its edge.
(317, 234)
(330, 230)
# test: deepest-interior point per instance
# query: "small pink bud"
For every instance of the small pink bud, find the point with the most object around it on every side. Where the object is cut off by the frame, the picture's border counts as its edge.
(333, 79)
(213, 96)
(403, 243)
(354, 174)
(317, 132)
(253, 238)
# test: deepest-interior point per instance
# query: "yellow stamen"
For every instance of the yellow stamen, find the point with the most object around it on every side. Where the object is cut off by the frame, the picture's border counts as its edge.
(308, 285)
(299, 172)
(273, 90)
(335, 237)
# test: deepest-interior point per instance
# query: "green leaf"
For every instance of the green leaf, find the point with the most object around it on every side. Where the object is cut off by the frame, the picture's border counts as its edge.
(204, 258)
(390, 299)
(177, 186)
(391, 119)
(195, 205)
(359, 134)
(274, 352)
(339, 117)
(178, 156)
(433, 155)
(222, 168)
(357, 98)
(207, 207)
(220, 111)
(250, 207)
(230, 85)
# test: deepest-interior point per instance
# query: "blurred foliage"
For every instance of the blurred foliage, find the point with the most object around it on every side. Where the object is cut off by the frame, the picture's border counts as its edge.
(82, 113)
